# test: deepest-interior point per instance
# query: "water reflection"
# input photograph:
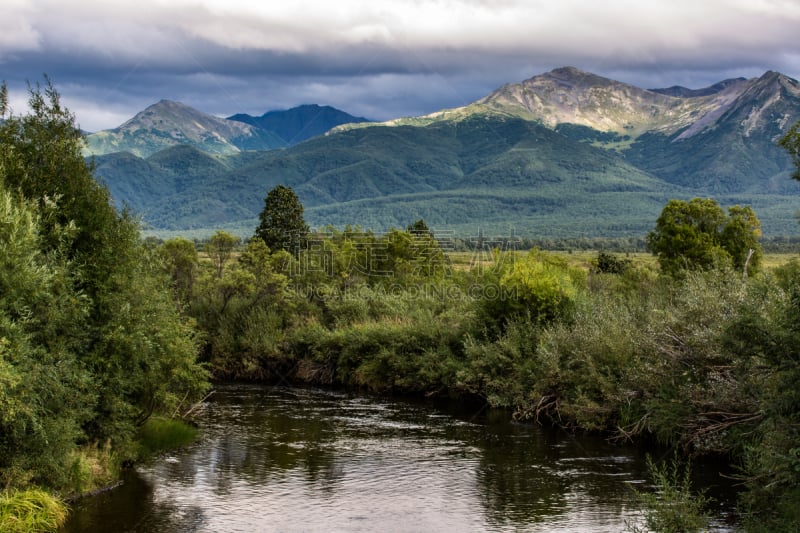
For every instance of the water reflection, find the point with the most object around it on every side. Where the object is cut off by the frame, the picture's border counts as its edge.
(284, 459)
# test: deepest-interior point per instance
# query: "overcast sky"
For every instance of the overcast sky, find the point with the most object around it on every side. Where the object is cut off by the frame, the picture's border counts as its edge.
(375, 58)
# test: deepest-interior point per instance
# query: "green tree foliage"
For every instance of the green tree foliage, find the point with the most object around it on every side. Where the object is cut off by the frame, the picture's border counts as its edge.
(42, 160)
(91, 342)
(400, 255)
(766, 333)
(45, 396)
(220, 248)
(282, 226)
(242, 311)
(740, 238)
(699, 235)
(610, 264)
(540, 287)
(419, 228)
(791, 142)
(180, 259)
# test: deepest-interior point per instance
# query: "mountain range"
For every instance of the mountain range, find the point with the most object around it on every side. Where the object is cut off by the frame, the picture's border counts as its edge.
(167, 124)
(299, 123)
(564, 153)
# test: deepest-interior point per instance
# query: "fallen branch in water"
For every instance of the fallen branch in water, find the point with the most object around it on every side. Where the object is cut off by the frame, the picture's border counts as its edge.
(198, 404)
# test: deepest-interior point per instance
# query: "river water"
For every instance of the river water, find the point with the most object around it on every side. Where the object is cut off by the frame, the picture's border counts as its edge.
(280, 459)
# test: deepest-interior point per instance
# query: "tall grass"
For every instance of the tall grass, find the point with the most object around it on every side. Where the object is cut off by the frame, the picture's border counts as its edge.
(31, 511)
(90, 468)
(673, 507)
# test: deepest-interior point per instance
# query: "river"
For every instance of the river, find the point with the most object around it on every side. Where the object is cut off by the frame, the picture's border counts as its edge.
(282, 459)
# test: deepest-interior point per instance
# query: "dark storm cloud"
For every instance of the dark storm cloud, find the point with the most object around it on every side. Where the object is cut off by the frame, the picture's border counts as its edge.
(380, 59)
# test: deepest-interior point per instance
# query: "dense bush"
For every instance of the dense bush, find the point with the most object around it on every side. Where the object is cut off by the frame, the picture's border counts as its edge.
(91, 341)
(766, 333)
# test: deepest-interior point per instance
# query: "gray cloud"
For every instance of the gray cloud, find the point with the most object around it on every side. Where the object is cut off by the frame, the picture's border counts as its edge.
(379, 59)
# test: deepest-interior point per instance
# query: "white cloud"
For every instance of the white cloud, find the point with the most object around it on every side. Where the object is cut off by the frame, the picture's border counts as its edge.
(378, 54)
(592, 28)
(16, 28)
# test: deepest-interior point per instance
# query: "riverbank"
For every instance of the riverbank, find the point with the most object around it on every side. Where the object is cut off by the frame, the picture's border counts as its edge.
(94, 470)
(697, 360)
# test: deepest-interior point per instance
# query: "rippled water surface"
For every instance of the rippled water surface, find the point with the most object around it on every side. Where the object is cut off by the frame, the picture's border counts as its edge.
(307, 460)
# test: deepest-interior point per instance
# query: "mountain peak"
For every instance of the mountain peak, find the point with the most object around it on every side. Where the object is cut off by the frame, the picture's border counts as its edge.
(571, 95)
(169, 105)
(684, 92)
(568, 95)
(568, 71)
(300, 123)
(572, 73)
(169, 123)
(164, 111)
(772, 77)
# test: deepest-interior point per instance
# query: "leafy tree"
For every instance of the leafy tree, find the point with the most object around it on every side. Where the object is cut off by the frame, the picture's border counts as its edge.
(791, 142)
(699, 235)
(282, 226)
(419, 228)
(44, 392)
(43, 160)
(181, 261)
(765, 334)
(220, 248)
(255, 260)
(740, 238)
(611, 264)
(242, 312)
(539, 287)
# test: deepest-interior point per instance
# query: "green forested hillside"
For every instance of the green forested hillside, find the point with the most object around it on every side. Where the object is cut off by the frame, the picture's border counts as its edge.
(531, 157)
(482, 169)
(491, 173)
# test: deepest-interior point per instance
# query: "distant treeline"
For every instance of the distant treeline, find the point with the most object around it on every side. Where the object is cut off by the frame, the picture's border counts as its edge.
(776, 244)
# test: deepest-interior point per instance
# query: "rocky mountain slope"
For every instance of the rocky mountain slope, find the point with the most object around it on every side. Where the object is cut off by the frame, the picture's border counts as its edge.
(166, 124)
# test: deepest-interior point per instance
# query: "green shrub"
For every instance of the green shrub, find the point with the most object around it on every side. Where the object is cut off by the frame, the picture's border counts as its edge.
(90, 468)
(673, 507)
(611, 264)
(767, 335)
(540, 287)
(507, 371)
(596, 361)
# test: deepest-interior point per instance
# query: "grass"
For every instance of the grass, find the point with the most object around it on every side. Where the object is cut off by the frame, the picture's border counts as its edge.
(161, 434)
(774, 260)
(31, 511)
(582, 259)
